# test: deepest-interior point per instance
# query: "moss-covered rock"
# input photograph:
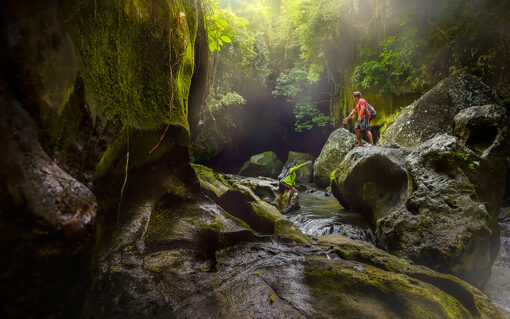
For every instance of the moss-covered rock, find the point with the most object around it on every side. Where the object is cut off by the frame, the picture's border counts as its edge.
(339, 143)
(263, 164)
(445, 222)
(485, 130)
(237, 197)
(136, 58)
(430, 206)
(211, 181)
(360, 251)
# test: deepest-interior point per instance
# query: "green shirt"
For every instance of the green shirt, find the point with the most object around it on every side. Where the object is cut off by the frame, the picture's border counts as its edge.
(291, 175)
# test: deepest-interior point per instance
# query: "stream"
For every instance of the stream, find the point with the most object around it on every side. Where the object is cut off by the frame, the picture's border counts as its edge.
(322, 215)
(498, 286)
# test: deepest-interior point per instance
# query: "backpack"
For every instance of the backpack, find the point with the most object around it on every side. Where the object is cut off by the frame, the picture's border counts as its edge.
(283, 173)
(371, 111)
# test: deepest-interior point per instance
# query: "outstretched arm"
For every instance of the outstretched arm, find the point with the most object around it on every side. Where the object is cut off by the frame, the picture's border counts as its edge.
(348, 117)
(295, 168)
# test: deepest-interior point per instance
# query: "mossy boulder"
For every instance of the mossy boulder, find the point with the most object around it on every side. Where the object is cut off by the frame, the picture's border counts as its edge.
(434, 112)
(264, 187)
(304, 174)
(263, 217)
(237, 197)
(210, 181)
(136, 59)
(339, 143)
(263, 164)
(363, 252)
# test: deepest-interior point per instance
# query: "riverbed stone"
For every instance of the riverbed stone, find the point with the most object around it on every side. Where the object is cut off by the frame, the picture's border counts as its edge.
(434, 112)
(263, 164)
(238, 198)
(371, 181)
(339, 143)
(361, 251)
(304, 174)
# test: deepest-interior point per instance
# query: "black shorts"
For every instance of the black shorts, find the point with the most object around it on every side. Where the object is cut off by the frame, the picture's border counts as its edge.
(282, 187)
(364, 125)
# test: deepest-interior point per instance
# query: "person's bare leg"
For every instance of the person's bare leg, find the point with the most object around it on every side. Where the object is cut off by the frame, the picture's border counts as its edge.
(358, 136)
(370, 138)
(280, 201)
(290, 196)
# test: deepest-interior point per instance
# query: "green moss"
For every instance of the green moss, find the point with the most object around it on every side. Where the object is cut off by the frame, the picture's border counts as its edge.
(208, 174)
(354, 290)
(134, 57)
(140, 143)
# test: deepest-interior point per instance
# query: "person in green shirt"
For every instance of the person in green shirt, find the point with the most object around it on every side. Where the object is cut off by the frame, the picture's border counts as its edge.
(288, 182)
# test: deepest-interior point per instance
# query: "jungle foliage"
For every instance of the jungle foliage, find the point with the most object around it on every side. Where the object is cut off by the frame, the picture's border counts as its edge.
(312, 54)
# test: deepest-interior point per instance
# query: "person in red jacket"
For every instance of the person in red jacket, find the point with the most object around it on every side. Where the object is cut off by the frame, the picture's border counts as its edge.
(364, 117)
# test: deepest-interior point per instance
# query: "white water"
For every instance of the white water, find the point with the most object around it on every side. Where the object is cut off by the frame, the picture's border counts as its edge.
(498, 287)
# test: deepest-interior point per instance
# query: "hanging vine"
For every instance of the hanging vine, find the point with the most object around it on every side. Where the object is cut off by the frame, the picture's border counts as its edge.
(173, 30)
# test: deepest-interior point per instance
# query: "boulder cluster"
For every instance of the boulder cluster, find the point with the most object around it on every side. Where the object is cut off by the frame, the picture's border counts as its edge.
(434, 186)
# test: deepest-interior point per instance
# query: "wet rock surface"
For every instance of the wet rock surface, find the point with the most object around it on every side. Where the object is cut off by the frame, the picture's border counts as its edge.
(264, 164)
(240, 200)
(47, 221)
(320, 215)
(188, 258)
(434, 112)
(339, 143)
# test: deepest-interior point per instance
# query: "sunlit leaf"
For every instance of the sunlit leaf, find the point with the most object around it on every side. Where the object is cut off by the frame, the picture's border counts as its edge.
(212, 46)
(222, 22)
(225, 39)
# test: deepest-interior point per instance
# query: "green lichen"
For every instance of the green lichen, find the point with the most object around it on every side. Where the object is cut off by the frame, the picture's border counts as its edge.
(136, 58)
(354, 290)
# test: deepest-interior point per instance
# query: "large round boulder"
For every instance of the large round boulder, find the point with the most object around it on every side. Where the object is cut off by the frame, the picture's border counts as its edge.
(339, 143)
(448, 221)
(304, 174)
(435, 110)
(431, 206)
(371, 181)
(263, 164)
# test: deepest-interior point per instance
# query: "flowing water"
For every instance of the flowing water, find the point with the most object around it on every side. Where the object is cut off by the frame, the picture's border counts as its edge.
(498, 287)
(322, 215)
